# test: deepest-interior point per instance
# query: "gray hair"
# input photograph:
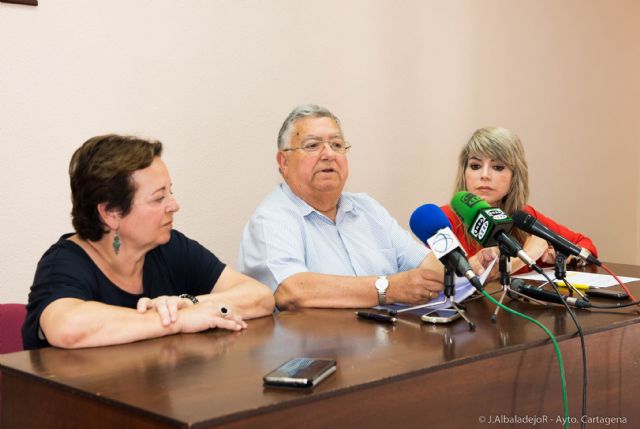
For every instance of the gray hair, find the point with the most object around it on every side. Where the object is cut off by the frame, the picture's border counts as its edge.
(300, 112)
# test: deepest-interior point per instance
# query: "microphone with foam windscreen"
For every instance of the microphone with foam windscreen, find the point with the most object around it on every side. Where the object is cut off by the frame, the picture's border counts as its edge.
(429, 223)
(488, 225)
(530, 224)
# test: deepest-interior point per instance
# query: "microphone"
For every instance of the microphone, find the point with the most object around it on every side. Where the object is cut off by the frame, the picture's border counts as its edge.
(530, 224)
(429, 223)
(488, 225)
(542, 295)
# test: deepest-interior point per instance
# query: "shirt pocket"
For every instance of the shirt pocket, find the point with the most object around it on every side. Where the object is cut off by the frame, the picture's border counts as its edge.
(373, 261)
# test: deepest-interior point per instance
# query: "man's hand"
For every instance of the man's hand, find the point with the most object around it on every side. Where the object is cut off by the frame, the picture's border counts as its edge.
(416, 286)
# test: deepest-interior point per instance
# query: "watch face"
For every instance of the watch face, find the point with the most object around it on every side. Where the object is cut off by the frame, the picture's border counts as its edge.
(382, 283)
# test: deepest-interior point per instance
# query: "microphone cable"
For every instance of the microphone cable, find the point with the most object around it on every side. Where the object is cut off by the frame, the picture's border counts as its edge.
(613, 307)
(582, 344)
(563, 381)
(604, 267)
(589, 304)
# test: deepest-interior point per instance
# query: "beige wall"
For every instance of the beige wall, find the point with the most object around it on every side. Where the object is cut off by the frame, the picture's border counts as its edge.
(411, 80)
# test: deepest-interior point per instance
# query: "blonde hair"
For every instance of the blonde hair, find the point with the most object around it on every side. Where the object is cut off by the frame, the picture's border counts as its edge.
(498, 144)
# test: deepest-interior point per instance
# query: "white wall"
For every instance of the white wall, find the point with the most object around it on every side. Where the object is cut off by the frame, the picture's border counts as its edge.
(410, 80)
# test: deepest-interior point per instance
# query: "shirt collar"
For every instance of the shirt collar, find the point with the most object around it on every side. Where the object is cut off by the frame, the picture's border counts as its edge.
(345, 203)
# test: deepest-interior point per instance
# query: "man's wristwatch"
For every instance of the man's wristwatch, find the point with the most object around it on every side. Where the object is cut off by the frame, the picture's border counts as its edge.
(189, 297)
(382, 283)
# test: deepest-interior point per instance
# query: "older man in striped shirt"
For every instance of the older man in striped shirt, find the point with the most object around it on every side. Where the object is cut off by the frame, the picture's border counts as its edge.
(317, 246)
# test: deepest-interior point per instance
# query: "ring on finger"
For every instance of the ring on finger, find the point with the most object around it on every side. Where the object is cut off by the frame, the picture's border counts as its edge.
(224, 311)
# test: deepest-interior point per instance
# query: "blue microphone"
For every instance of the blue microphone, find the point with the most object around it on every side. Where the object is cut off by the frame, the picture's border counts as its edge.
(429, 223)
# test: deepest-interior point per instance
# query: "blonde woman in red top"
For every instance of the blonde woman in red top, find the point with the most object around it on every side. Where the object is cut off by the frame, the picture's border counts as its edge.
(492, 165)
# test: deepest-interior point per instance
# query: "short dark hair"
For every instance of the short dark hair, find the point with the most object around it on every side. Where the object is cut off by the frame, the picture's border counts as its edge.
(100, 172)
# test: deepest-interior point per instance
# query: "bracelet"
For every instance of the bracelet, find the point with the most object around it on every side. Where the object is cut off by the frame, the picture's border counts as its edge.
(189, 297)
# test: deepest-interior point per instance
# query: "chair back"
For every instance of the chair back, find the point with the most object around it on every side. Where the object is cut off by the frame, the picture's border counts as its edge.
(11, 320)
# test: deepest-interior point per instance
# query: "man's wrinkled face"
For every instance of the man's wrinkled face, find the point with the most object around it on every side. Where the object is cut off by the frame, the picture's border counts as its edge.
(309, 175)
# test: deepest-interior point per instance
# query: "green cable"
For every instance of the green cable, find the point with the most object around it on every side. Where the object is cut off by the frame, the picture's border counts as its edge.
(555, 345)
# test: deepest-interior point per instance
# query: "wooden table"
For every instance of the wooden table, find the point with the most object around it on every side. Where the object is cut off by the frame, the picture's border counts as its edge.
(410, 374)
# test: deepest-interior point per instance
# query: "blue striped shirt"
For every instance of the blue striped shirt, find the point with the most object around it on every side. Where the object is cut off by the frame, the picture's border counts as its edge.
(286, 236)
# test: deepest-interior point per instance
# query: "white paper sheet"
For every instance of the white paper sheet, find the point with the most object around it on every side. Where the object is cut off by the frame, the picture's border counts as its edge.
(577, 277)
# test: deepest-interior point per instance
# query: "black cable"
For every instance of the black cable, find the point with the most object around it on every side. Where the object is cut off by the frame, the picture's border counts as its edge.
(611, 307)
(582, 345)
(556, 346)
(584, 352)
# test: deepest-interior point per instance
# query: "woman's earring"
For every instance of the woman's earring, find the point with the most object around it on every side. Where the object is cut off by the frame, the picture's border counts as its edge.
(116, 242)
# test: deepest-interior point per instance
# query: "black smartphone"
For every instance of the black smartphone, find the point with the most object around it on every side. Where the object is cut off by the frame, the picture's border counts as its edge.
(300, 372)
(606, 293)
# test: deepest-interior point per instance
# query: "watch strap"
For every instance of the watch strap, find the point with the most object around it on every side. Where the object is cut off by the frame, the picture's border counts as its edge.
(382, 284)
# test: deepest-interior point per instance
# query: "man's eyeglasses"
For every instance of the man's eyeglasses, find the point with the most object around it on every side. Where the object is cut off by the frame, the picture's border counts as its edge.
(314, 147)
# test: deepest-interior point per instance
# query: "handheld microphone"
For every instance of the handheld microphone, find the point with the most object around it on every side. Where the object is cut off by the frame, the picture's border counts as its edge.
(429, 223)
(530, 224)
(552, 297)
(488, 225)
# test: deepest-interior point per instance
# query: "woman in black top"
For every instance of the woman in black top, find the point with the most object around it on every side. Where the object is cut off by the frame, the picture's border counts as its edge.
(126, 274)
